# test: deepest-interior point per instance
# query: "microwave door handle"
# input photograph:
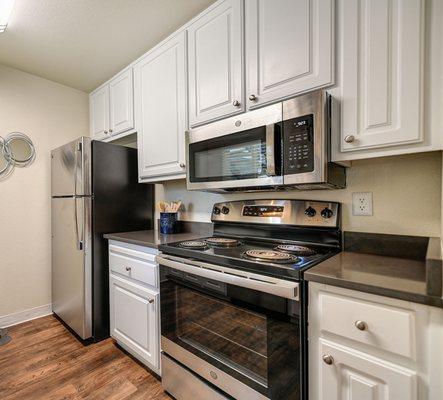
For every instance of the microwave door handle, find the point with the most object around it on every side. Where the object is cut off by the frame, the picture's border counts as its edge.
(270, 146)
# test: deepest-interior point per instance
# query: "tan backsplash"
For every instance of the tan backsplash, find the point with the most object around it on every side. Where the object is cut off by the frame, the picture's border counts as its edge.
(406, 195)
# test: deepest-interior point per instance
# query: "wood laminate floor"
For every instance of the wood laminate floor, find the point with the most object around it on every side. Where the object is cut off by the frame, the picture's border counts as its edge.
(44, 361)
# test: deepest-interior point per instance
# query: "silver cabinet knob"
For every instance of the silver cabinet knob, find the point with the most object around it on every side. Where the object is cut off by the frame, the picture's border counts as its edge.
(105, 132)
(110, 131)
(349, 138)
(128, 269)
(361, 325)
(150, 301)
(328, 359)
(182, 165)
(213, 375)
(253, 97)
(236, 103)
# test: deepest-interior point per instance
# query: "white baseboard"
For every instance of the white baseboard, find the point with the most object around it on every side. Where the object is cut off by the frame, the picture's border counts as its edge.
(26, 315)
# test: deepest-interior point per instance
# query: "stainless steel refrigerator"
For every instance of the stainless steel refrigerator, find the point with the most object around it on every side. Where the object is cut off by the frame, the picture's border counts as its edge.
(95, 190)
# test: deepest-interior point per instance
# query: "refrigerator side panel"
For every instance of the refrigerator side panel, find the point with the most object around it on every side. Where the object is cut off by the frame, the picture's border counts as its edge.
(120, 204)
(71, 263)
(71, 169)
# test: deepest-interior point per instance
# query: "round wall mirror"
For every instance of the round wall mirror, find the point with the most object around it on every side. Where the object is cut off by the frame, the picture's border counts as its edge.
(6, 165)
(20, 149)
(16, 150)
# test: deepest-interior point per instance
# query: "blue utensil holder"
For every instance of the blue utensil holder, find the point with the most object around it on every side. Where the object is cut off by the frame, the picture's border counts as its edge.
(168, 222)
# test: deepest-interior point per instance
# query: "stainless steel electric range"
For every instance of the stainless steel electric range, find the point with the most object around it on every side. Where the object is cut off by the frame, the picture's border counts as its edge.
(233, 306)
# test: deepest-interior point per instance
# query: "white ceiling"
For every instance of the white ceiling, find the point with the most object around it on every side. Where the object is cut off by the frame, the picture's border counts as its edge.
(82, 43)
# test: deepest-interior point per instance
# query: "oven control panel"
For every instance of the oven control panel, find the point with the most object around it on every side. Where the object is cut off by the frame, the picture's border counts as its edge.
(298, 145)
(263, 211)
(285, 212)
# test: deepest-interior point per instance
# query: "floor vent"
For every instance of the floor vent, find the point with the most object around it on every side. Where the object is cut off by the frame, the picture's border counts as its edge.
(4, 338)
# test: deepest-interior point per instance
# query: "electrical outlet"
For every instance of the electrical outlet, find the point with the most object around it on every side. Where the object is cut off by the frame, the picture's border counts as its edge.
(362, 203)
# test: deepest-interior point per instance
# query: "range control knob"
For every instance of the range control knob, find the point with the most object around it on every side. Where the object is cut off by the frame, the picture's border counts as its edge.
(225, 210)
(327, 213)
(310, 212)
(216, 210)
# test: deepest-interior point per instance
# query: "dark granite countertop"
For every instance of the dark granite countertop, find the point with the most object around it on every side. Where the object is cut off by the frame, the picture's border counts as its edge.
(153, 238)
(417, 279)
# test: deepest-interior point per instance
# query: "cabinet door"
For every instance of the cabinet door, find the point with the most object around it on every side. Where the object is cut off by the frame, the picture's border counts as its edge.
(121, 100)
(134, 318)
(289, 48)
(99, 113)
(160, 99)
(381, 67)
(356, 376)
(215, 63)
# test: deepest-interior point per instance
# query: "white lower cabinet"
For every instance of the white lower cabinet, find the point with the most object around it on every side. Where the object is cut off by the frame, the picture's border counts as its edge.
(134, 323)
(134, 304)
(368, 347)
(355, 376)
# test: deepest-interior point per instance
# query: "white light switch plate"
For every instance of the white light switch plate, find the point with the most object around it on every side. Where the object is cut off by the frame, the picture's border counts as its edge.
(362, 203)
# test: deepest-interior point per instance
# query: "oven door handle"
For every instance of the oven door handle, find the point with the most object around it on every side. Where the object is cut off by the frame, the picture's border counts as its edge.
(270, 146)
(261, 283)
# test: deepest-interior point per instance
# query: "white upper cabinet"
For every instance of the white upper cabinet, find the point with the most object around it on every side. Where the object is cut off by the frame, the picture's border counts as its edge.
(382, 46)
(160, 101)
(121, 102)
(111, 107)
(215, 54)
(289, 48)
(99, 113)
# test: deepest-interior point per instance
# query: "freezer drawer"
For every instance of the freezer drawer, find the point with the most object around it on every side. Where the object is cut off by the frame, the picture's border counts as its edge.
(71, 263)
(71, 169)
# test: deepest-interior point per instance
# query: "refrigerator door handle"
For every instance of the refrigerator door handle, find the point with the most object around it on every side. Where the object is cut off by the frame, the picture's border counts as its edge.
(78, 240)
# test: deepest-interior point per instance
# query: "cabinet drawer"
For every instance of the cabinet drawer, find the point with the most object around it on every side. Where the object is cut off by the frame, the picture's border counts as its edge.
(138, 265)
(385, 327)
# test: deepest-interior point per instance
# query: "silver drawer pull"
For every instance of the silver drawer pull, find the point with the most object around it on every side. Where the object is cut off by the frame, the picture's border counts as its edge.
(361, 325)
(150, 301)
(349, 138)
(128, 269)
(328, 359)
(213, 375)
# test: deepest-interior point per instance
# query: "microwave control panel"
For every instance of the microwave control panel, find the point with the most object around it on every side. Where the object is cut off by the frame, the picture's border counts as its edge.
(298, 145)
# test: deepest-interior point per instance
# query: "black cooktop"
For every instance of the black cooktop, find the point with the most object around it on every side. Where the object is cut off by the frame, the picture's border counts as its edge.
(287, 264)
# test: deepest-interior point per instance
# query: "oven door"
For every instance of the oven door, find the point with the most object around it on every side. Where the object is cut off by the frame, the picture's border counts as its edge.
(239, 152)
(246, 342)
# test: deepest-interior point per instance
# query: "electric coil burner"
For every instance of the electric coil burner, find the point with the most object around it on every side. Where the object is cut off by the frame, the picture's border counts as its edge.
(194, 245)
(233, 306)
(222, 242)
(296, 249)
(271, 256)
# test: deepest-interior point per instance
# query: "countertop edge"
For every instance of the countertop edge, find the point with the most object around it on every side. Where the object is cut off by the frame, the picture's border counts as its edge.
(377, 290)
(131, 241)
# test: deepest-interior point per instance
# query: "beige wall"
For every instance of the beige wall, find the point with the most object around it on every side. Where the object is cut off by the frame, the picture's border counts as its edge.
(406, 195)
(51, 114)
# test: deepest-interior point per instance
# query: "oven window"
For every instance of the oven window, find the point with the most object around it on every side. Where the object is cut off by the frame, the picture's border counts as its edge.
(257, 346)
(232, 335)
(240, 155)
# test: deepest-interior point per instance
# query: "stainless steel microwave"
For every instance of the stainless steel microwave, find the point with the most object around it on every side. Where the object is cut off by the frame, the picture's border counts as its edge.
(281, 146)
